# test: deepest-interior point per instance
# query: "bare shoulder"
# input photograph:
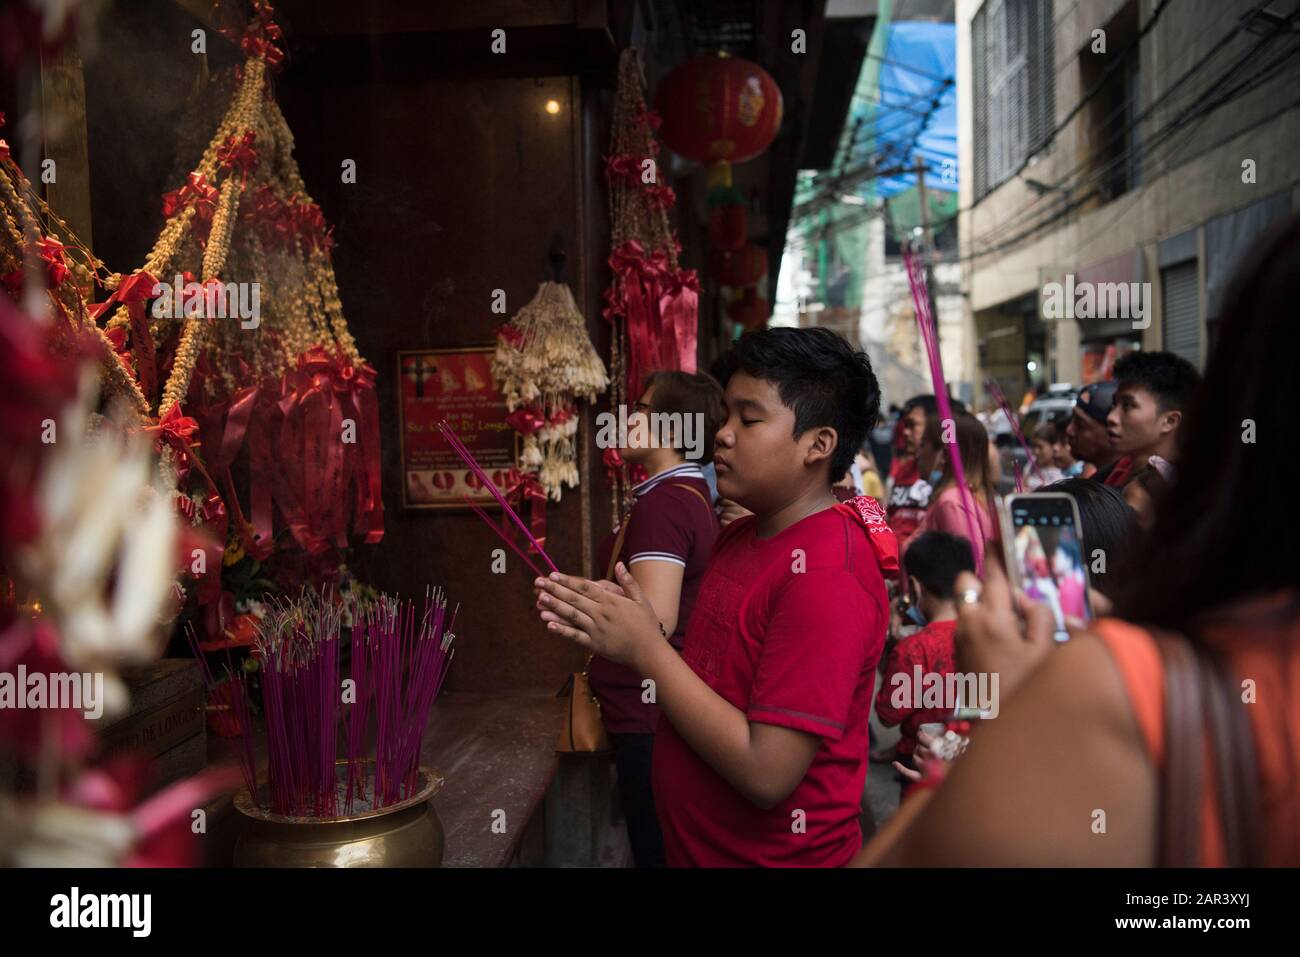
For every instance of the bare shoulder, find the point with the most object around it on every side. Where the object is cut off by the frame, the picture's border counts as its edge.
(1060, 777)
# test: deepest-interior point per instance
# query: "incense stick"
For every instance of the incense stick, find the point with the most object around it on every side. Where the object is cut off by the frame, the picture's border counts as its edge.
(468, 458)
(502, 535)
(921, 306)
(1000, 398)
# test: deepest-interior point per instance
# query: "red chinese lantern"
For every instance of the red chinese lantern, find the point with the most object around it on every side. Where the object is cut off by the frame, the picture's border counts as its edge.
(744, 267)
(719, 110)
(750, 311)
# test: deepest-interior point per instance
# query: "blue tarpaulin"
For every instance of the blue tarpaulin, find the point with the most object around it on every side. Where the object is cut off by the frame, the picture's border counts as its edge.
(916, 112)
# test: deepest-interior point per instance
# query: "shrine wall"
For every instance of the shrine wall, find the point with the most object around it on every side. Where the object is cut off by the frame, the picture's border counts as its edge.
(460, 186)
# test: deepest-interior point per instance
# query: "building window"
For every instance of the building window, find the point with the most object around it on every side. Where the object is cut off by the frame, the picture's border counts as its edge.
(1111, 143)
(1014, 87)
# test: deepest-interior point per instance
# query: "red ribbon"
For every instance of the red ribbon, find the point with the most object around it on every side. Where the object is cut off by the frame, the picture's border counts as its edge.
(133, 291)
(529, 490)
(647, 117)
(238, 153)
(660, 306)
(197, 193)
(177, 429)
(301, 463)
(679, 306)
(511, 336)
(261, 35)
(525, 420)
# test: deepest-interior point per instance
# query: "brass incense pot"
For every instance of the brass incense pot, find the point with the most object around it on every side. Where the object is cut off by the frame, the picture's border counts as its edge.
(405, 834)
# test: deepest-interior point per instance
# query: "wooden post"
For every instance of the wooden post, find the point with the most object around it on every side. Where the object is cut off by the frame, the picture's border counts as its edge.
(63, 127)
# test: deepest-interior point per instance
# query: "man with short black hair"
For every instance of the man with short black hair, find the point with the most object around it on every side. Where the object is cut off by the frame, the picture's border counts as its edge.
(1152, 389)
(1086, 432)
(908, 495)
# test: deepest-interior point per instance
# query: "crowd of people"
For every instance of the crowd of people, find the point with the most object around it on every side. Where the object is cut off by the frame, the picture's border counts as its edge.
(778, 596)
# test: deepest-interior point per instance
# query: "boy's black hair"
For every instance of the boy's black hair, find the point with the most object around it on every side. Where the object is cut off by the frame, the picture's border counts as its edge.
(723, 367)
(935, 558)
(1169, 377)
(1108, 523)
(822, 378)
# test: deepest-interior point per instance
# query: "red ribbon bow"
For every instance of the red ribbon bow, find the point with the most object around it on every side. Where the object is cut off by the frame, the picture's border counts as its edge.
(238, 153)
(197, 193)
(525, 420)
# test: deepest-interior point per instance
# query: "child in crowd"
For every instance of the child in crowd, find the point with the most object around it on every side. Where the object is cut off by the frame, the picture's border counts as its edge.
(1043, 445)
(1062, 457)
(760, 755)
(932, 561)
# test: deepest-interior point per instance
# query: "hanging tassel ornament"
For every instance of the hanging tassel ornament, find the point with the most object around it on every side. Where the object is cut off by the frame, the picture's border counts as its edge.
(544, 365)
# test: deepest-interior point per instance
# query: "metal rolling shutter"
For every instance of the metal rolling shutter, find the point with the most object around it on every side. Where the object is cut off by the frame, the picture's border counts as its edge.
(1182, 313)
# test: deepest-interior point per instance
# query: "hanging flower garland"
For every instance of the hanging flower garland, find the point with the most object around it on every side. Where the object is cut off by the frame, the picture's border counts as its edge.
(544, 365)
(33, 247)
(274, 383)
(652, 302)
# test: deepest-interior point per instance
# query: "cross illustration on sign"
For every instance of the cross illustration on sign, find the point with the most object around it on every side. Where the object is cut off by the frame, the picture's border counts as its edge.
(417, 370)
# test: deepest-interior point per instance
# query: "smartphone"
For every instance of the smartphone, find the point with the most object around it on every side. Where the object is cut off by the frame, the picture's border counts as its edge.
(1044, 554)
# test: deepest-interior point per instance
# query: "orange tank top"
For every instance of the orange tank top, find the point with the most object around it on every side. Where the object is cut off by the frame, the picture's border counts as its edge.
(1264, 646)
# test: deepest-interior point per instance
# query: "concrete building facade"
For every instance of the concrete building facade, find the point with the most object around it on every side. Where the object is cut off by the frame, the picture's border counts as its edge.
(1117, 156)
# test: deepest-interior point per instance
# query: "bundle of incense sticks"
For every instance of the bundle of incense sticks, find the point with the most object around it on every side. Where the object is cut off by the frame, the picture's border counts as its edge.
(467, 457)
(921, 306)
(399, 665)
(1000, 398)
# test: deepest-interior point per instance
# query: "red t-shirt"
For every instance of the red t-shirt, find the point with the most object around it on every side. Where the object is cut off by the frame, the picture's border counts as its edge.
(790, 631)
(667, 523)
(909, 496)
(932, 650)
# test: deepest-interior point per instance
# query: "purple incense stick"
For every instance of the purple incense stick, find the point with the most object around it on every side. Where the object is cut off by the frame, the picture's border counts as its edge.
(501, 533)
(1000, 398)
(921, 306)
(468, 458)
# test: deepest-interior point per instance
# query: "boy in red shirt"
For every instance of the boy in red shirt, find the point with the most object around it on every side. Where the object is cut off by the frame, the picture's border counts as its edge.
(932, 562)
(761, 750)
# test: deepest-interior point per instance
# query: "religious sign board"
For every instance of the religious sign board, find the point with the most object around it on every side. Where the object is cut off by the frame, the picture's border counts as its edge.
(455, 385)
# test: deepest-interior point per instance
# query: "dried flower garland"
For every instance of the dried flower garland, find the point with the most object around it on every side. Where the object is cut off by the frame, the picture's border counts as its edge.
(544, 364)
(652, 303)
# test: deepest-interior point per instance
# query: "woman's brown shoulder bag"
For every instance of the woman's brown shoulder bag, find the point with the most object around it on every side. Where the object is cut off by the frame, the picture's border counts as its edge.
(1203, 698)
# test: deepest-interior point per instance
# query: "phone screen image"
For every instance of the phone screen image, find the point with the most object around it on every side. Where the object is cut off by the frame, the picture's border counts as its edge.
(1048, 556)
